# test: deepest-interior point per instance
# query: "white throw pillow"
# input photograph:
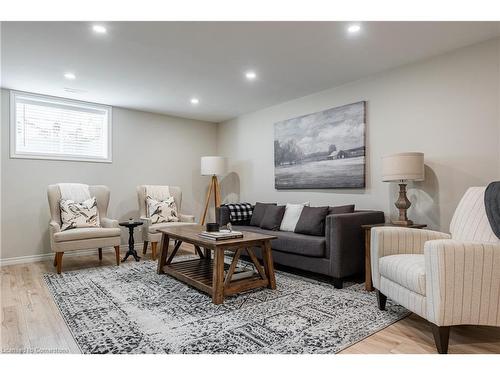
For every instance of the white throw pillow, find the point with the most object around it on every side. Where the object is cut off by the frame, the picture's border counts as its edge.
(79, 215)
(291, 216)
(162, 211)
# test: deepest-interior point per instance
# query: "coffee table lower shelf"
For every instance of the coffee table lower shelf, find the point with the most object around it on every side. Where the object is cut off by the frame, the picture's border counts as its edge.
(199, 274)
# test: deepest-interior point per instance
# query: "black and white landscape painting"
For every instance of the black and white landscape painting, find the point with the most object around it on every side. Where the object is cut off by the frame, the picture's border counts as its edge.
(322, 150)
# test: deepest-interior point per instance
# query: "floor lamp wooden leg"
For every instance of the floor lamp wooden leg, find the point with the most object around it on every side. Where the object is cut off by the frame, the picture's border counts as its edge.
(217, 191)
(207, 202)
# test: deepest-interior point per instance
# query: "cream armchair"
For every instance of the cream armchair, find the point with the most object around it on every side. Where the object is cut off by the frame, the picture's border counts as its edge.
(447, 279)
(149, 230)
(82, 238)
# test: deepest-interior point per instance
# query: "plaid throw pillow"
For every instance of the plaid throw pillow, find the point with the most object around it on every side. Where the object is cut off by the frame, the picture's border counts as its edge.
(239, 211)
(162, 211)
(79, 215)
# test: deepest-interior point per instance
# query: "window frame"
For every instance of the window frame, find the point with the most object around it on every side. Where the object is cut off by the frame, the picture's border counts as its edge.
(14, 154)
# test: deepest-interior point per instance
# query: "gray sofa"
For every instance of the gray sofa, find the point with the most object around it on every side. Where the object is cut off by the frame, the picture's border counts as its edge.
(338, 254)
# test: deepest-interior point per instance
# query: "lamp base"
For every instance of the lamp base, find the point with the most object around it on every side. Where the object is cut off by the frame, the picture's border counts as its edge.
(402, 223)
(402, 204)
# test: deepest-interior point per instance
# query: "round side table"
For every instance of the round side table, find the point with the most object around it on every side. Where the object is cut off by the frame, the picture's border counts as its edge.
(131, 250)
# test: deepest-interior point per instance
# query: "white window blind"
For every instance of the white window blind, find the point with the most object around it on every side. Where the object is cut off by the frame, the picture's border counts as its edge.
(51, 128)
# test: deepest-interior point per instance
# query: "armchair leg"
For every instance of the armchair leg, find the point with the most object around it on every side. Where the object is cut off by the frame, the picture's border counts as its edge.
(381, 300)
(145, 247)
(117, 255)
(441, 338)
(100, 253)
(55, 259)
(59, 256)
(153, 250)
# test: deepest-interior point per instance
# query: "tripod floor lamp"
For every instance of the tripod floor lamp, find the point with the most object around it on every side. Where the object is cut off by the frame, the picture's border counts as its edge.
(212, 166)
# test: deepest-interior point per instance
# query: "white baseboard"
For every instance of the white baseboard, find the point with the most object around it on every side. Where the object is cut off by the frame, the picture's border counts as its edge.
(50, 256)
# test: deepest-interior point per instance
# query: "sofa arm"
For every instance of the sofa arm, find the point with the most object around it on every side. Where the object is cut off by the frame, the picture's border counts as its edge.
(109, 223)
(462, 282)
(222, 215)
(187, 218)
(345, 243)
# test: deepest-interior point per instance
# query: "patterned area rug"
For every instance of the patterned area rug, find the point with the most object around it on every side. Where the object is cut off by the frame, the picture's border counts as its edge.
(131, 309)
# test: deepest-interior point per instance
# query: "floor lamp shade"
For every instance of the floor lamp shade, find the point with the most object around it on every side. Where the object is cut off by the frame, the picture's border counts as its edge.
(405, 166)
(213, 165)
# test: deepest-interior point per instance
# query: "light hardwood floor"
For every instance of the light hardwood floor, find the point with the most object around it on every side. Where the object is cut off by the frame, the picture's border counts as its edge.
(31, 320)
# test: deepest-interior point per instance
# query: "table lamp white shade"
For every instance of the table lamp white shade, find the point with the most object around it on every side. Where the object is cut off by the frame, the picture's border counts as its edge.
(213, 165)
(405, 166)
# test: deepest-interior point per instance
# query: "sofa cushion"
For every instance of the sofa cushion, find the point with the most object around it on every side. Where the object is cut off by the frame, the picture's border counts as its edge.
(153, 228)
(407, 270)
(272, 217)
(258, 213)
(85, 234)
(347, 209)
(293, 243)
(291, 216)
(312, 221)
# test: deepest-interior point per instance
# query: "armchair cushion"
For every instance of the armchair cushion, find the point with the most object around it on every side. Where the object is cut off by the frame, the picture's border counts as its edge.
(387, 241)
(162, 211)
(85, 234)
(405, 270)
(79, 215)
(187, 218)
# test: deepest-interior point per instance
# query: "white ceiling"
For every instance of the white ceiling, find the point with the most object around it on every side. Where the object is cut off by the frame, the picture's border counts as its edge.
(159, 66)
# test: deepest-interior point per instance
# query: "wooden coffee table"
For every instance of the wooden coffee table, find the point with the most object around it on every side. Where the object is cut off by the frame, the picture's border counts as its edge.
(207, 272)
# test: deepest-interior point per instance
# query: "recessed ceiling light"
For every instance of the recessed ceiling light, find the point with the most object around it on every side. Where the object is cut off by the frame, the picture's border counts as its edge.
(354, 28)
(99, 29)
(251, 75)
(195, 101)
(69, 75)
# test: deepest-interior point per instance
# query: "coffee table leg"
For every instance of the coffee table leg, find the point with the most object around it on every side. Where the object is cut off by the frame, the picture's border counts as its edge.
(164, 252)
(218, 277)
(267, 256)
(206, 252)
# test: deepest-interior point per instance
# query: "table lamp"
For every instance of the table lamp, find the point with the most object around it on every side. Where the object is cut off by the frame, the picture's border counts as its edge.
(403, 167)
(212, 166)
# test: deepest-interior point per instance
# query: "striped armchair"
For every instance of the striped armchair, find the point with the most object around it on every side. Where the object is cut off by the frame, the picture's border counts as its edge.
(447, 279)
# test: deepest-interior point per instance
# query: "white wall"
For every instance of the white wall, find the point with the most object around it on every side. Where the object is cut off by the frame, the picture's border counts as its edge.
(147, 149)
(446, 107)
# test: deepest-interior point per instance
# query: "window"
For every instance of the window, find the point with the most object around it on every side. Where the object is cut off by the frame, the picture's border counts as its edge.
(43, 127)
